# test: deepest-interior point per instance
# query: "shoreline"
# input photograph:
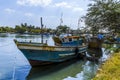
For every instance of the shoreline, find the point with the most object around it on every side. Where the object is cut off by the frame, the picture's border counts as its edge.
(110, 69)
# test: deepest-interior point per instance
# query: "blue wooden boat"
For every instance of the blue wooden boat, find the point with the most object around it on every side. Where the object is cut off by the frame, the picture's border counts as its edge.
(115, 41)
(41, 53)
(118, 39)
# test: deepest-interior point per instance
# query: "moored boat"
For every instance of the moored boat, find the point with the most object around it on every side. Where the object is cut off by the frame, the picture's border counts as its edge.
(41, 53)
(94, 47)
(95, 43)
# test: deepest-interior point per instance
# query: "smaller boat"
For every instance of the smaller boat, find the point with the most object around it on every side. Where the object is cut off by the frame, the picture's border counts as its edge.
(111, 39)
(94, 47)
(118, 39)
(95, 43)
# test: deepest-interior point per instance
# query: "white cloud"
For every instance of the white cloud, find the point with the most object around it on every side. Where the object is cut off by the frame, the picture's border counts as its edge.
(28, 14)
(63, 4)
(8, 10)
(71, 6)
(34, 2)
(77, 9)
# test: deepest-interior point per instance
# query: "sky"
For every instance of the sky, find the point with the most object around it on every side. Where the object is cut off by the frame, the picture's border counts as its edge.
(15, 12)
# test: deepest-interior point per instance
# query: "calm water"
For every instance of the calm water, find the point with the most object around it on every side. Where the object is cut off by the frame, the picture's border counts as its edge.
(74, 69)
(13, 65)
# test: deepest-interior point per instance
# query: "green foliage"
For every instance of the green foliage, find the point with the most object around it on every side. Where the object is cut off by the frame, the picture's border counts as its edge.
(62, 29)
(20, 29)
(35, 31)
(110, 70)
(111, 47)
(103, 14)
(6, 29)
(25, 28)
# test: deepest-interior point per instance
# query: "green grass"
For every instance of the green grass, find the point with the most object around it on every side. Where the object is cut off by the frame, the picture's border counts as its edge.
(110, 70)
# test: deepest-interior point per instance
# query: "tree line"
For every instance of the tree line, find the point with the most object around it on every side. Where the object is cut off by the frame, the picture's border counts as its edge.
(101, 15)
(31, 29)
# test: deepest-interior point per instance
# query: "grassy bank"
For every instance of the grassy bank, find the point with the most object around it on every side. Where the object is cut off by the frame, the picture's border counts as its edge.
(110, 70)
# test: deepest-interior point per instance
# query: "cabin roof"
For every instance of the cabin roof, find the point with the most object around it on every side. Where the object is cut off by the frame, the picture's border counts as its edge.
(74, 37)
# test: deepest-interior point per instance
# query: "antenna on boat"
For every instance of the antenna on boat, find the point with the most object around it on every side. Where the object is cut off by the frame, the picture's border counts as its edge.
(79, 20)
(61, 20)
(41, 30)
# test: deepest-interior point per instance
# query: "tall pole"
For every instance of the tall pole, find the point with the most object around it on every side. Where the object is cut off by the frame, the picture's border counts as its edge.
(41, 30)
(79, 20)
(61, 20)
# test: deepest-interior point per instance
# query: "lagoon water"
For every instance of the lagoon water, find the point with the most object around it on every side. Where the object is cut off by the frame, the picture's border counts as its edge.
(14, 65)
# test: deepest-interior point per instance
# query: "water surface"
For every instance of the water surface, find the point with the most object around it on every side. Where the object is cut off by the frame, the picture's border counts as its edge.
(14, 65)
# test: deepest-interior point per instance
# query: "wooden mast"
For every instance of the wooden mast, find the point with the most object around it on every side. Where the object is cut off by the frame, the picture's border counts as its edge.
(61, 20)
(41, 30)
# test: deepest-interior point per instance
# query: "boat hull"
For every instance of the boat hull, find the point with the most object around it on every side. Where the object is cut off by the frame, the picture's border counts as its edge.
(49, 54)
(39, 63)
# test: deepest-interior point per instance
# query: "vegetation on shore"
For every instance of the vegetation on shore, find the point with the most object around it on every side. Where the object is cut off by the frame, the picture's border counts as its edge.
(110, 70)
(102, 15)
(30, 29)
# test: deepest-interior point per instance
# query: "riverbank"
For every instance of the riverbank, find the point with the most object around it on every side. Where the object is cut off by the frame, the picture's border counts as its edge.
(110, 70)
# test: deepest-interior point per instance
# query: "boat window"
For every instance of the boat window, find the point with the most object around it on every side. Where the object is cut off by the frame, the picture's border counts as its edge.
(74, 39)
(70, 39)
(66, 40)
(63, 39)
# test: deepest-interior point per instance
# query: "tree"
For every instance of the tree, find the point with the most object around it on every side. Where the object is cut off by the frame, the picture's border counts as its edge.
(1, 29)
(103, 14)
(20, 29)
(62, 28)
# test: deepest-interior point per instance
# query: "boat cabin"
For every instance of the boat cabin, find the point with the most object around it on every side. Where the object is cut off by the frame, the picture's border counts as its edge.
(70, 38)
(71, 41)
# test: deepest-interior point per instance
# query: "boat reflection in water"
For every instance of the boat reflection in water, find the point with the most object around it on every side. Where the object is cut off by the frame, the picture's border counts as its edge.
(75, 69)
(56, 71)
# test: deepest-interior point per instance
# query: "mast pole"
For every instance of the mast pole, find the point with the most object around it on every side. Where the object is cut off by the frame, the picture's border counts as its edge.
(41, 30)
(61, 20)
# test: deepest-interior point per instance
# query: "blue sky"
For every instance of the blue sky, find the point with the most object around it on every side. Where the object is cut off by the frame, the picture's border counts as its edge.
(15, 12)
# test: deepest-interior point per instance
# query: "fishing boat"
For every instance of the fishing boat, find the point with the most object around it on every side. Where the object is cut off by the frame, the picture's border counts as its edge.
(41, 53)
(95, 43)
(95, 47)
(115, 42)
(112, 40)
